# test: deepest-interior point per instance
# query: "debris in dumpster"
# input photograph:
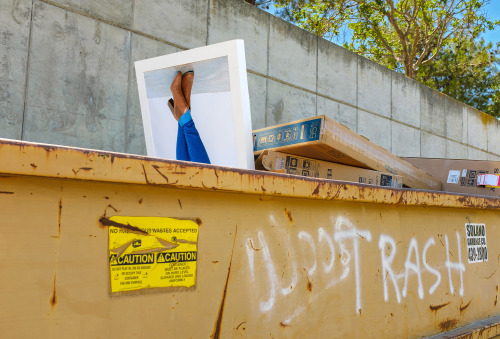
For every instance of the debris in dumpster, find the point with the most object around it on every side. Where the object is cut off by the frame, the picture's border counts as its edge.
(325, 139)
(292, 164)
(488, 180)
(460, 176)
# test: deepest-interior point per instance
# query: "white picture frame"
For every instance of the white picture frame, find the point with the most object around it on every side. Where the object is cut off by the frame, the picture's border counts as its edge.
(220, 104)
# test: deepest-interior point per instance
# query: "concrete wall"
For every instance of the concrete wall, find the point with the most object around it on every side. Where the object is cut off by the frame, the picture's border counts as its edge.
(67, 77)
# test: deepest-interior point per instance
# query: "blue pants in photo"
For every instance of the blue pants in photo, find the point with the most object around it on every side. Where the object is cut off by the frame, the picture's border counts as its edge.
(189, 144)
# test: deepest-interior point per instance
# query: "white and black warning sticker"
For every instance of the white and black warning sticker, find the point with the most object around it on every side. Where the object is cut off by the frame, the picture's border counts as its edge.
(476, 242)
(453, 177)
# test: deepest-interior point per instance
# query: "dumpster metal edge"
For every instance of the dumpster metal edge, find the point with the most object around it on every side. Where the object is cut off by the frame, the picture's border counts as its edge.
(34, 159)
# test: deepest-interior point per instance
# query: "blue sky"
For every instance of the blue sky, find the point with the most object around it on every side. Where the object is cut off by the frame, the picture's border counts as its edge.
(493, 13)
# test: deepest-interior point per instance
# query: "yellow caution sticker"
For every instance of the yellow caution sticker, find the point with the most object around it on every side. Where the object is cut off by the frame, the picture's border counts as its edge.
(148, 252)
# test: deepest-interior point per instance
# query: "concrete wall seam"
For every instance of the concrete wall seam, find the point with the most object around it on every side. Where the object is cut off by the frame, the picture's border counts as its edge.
(26, 82)
(62, 84)
(103, 20)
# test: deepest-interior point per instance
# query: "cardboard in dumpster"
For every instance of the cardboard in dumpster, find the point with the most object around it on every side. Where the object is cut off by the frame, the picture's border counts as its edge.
(149, 252)
(292, 164)
(325, 139)
(460, 176)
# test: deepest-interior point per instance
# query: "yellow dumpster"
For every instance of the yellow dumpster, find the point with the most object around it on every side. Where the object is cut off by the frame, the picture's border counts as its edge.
(97, 245)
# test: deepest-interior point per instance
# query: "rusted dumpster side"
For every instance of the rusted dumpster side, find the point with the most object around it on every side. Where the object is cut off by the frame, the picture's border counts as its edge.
(278, 256)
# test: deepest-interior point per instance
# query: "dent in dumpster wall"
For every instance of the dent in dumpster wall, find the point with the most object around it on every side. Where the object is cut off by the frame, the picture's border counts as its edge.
(344, 235)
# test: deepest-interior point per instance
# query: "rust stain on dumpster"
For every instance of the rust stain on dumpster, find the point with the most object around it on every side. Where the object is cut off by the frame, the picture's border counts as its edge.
(218, 323)
(53, 299)
(289, 215)
(157, 169)
(437, 307)
(253, 248)
(242, 323)
(112, 207)
(106, 222)
(86, 169)
(59, 217)
(463, 308)
(316, 190)
(145, 174)
(448, 324)
(309, 284)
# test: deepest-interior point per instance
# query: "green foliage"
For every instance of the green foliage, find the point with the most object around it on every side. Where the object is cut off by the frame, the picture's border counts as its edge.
(433, 41)
(468, 70)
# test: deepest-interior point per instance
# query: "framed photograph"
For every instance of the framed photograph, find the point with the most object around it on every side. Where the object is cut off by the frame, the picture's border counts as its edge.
(219, 105)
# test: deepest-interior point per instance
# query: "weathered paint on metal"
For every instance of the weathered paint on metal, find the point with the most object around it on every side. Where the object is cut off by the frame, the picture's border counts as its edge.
(82, 164)
(279, 256)
(486, 328)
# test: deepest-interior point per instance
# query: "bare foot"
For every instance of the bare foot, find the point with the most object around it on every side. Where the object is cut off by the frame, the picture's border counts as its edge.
(180, 105)
(187, 84)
